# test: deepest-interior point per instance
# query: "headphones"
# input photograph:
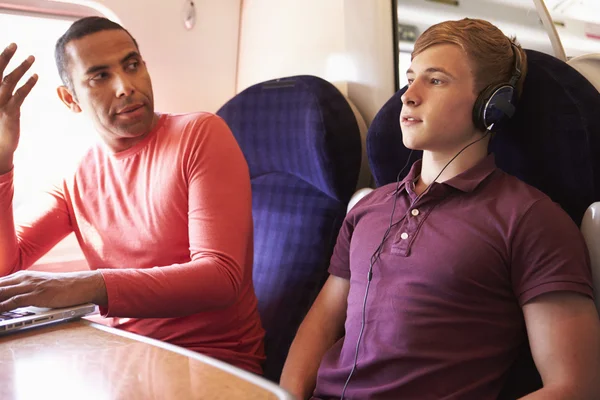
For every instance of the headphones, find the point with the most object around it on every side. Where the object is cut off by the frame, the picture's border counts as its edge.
(497, 103)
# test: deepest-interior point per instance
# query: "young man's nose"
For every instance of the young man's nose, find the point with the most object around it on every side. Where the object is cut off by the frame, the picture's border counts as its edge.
(412, 95)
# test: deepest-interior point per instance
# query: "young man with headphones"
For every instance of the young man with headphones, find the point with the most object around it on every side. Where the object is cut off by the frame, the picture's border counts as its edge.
(439, 279)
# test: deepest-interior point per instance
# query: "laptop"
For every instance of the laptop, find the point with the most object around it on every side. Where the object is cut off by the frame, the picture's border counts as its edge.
(28, 317)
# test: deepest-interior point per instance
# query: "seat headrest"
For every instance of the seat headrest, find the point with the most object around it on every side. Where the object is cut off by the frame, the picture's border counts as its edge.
(588, 65)
(551, 143)
(299, 125)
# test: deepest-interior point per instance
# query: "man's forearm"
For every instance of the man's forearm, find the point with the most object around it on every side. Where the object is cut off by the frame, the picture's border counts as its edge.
(205, 284)
(322, 327)
(53, 290)
(10, 258)
(97, 288)
(299, 374)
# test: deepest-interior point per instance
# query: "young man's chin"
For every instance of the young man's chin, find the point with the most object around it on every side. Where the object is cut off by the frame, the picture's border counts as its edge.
(413, 144)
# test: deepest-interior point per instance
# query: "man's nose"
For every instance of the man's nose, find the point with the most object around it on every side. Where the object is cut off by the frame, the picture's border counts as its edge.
(412, 95)
(124, 87)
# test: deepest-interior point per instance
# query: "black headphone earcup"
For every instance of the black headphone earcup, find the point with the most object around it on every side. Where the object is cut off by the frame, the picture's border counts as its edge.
(478, 108)
(493, 106)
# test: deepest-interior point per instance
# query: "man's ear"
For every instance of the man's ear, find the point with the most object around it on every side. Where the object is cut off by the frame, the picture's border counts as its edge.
(68, 98)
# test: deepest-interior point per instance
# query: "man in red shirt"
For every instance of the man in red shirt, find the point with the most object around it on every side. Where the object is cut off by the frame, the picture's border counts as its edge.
(475, 261)
(161, 207)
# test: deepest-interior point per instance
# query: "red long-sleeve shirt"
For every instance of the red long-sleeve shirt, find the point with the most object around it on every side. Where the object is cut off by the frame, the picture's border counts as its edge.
(168, 222)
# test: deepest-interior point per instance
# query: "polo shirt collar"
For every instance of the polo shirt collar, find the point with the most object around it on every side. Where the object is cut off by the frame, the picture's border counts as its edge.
(465, 182)
(471, 178)
(411, 177)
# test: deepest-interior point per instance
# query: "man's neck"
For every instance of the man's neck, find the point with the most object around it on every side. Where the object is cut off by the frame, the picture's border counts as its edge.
(122, 144)
(434, 162)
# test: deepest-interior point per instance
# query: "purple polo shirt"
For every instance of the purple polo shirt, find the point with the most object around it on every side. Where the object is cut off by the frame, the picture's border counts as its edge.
(443, 315)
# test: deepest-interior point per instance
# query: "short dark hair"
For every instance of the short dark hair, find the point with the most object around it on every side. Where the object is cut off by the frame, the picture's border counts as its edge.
(81, 28)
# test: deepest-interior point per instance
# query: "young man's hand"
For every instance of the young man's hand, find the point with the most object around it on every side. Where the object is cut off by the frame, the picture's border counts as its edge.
(53, 290)
(10, 105)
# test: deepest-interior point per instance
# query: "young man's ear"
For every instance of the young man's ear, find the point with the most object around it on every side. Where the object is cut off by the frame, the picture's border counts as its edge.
(68, 98)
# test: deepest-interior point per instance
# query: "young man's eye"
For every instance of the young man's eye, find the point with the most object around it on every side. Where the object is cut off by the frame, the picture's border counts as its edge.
(410, 82)
(133, 66)
(436, 81)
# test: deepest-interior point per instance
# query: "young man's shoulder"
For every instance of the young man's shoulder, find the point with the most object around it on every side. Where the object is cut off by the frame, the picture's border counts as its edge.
(506, 187)
(516, 200)
(376, 196)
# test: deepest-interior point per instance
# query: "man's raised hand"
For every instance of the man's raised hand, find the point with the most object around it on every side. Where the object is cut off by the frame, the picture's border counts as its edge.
(10, 104)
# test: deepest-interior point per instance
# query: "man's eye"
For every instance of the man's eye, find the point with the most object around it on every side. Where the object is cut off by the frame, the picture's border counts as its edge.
(100, 76)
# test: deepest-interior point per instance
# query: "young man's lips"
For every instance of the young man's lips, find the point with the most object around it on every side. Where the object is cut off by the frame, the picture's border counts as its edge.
(410, 120)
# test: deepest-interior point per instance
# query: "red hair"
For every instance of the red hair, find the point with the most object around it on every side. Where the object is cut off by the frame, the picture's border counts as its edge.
(490, 52)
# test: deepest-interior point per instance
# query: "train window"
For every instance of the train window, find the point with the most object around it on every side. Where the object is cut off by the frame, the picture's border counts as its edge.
(514, 17)
(404, 64)
(52, 137)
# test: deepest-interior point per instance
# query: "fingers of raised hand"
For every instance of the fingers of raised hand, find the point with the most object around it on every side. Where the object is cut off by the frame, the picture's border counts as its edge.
(9, 82)
(6, 56)
(24, 90)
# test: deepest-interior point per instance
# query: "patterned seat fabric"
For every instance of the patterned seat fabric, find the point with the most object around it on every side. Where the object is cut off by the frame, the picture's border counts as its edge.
(552, 143)
(302, 144)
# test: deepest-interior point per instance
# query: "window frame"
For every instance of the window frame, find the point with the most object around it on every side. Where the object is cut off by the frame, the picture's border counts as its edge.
(66, 255)
(48, 8)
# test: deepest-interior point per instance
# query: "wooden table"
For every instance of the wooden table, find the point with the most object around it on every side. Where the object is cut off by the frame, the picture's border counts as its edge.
(85, 360)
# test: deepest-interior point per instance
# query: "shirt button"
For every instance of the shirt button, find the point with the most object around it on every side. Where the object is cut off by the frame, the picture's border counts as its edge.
(404, 236)
(415, 212)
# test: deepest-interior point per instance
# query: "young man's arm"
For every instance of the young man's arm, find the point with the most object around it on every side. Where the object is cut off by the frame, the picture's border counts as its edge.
(324, 323)
(564, 335)
(321, 328)
(551, 276)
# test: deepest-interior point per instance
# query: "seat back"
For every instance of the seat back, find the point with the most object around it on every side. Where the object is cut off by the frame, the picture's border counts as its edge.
(590, 228)
(588, 65)
(302, 144)
(551, 143)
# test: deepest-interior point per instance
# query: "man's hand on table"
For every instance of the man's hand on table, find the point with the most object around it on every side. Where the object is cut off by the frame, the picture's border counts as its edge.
(53, 290)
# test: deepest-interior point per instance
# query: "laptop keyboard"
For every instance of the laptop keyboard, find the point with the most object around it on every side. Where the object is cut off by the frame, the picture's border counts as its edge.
(14, 314)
